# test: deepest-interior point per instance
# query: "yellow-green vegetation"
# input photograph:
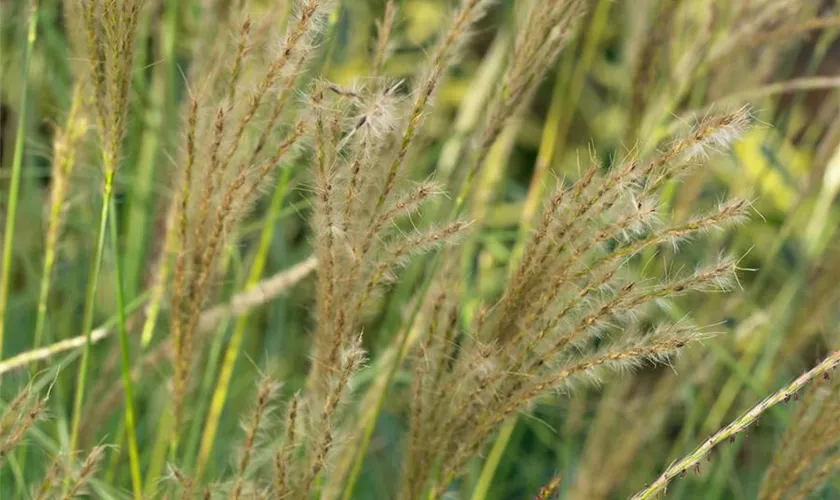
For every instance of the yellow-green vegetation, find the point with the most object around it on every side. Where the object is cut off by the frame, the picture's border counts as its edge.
(420, 249)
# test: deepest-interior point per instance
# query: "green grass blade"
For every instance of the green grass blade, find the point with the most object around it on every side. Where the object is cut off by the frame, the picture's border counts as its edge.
(492, 461)
(125, 357)
(90, 306)
(156, 117)
(17, 163)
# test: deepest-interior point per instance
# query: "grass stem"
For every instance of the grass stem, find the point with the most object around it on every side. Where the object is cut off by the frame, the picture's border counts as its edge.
(737, 426)
(125, 357)
(88, 316)
(17, 164)
(89, 310)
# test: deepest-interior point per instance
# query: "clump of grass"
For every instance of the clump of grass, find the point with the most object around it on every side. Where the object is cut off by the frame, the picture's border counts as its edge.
(224, 169)
(567, 312)
(549, 26)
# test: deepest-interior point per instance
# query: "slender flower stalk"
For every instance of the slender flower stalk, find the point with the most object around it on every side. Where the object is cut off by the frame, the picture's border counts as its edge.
(110, 34)
(63, 162)
(384, 28)
(470, 12)
(233, 169)
(125, 360)
(265, 394)
(736, 426)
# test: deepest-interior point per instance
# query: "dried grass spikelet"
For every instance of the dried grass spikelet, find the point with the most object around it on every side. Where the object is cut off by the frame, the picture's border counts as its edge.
(323, 412)
(110, 29)
(85, 472)
(185, 483)
(383, 39)
(75, 477)
(266, 393)
(359, 197)
(22, 412)
(368, 253)
(226, 162)
(54, 475)
(568, 312)
(545, 29)
(311, 431)
(807, 455)
(283, 458)
(441, 59)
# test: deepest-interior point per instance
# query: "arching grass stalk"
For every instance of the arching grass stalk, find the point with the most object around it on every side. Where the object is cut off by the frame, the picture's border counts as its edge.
(736, 426)
(17, 162)
(266, 290)
(71, 346)
(133, 455)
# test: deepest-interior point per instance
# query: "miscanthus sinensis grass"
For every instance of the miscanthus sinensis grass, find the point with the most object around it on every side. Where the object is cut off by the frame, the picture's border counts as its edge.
(577, 305)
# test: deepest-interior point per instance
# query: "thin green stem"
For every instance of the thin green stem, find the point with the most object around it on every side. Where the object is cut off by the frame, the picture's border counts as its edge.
(17, 163)
(205, 393)
(116, 454)
(493, 459)
(159, 450)
(131, 432)
(90, 306)
(43, 296)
